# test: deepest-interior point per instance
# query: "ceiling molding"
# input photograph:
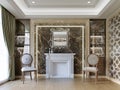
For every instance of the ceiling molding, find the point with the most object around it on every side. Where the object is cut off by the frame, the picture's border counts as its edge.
(21, 10)
(61, 11)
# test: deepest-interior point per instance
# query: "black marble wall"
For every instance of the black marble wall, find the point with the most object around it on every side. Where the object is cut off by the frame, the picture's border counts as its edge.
(74, 45)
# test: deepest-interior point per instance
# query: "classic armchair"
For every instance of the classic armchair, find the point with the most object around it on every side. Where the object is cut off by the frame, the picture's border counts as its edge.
(26, 60)
(92, 61)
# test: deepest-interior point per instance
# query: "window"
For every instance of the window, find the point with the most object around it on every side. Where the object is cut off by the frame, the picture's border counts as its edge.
(4, 69)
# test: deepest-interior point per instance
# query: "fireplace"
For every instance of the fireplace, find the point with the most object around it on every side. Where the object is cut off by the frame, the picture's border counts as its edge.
(59, 65)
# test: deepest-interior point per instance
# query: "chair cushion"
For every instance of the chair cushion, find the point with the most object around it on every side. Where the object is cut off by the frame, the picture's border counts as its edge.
(28, 69)
(92, 69)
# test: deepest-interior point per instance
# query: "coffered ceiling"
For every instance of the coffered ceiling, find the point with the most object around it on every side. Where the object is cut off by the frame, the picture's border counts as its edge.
(61, 8)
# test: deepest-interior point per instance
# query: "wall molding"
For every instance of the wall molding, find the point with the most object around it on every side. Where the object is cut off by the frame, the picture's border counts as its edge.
(34, 22)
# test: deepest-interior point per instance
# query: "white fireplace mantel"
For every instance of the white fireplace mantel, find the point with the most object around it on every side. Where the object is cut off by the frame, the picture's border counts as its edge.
(59, 65)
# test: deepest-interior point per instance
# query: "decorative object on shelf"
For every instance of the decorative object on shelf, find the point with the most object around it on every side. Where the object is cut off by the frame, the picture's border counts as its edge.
(20, 50)
(97, 39)
(98, 51)
(20, 41)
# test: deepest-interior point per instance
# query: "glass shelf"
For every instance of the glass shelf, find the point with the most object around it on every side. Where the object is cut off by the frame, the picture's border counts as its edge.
(97, 37)
(97, 42)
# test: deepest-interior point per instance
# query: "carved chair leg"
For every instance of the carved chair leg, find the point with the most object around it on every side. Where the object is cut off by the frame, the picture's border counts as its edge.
(96, 77)
(30, 75)
(83, 75)
(23, 77)
(88, 73)
(36, 76)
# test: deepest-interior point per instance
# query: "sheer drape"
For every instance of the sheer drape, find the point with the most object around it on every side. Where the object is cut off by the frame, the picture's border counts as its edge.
(4, 63)
(8, 23)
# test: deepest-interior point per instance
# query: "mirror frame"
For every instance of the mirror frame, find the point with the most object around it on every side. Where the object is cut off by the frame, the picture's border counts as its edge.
(59, 29)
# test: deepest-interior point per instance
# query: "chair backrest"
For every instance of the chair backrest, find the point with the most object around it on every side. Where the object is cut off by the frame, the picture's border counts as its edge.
(26, 59)
(93, 59)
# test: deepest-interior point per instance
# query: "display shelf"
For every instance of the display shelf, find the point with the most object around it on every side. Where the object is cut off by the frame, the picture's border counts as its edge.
(97, 37)
(22, 42)
(98, 51)
(97, 41)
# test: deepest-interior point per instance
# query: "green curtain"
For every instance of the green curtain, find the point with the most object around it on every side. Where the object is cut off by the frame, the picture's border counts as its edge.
(8, 22)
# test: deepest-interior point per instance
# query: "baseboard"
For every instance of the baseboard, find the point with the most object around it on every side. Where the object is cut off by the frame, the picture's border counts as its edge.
(17, 77)
(79, 75)
(113, 80)
(75, 75)
(98, 77)
(42, 75)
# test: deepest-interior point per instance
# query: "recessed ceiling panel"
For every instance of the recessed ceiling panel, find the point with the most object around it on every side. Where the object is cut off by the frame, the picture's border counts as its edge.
(60, 8)
(60, 3)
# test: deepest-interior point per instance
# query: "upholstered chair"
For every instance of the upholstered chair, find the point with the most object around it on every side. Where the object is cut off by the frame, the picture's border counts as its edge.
(92, 61)
(26, 60)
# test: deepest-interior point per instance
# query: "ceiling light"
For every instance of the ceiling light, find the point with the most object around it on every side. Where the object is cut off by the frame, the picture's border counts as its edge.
(33, 2)
(89, 1)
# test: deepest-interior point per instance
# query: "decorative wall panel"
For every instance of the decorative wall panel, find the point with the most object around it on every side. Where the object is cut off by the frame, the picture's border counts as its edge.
(74, 45)
(114, 46)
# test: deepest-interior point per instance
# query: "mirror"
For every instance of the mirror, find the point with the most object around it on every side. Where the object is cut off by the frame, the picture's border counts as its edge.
(59, 37)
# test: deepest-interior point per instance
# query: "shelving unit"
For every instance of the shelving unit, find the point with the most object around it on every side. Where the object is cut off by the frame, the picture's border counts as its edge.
(22, 43)
(97, 45)
(19, 45)
(97, 42)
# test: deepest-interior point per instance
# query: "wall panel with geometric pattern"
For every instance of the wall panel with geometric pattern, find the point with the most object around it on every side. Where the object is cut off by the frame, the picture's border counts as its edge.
(114, 46)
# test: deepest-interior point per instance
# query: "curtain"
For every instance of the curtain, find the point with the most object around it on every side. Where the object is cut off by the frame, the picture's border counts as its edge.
(3, 55)
(8, 23)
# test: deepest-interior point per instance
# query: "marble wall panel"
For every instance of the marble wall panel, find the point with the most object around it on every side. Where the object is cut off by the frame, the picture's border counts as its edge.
(74, 45)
